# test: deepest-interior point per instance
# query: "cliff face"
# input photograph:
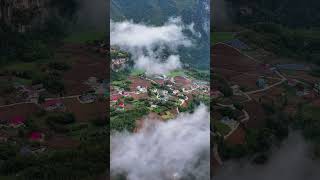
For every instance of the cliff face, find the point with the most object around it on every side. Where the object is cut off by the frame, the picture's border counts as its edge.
(23, 14)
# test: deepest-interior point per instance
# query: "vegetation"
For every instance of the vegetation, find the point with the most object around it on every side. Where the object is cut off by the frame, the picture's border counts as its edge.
(126, 120)
(217, 37)
(84, 37)
(300, 44)
(278, 11)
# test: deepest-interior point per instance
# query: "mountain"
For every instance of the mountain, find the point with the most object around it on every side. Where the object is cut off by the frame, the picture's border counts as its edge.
(291, 13)
(157, 12)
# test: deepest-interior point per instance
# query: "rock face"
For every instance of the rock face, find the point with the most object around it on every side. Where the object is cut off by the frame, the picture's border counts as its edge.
(23, 14)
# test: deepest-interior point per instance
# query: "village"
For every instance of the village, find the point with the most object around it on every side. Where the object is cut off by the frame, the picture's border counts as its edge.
(165, 95)
(41, 119)
(247, 92)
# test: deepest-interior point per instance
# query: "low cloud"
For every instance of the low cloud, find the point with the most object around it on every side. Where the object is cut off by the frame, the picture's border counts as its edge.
(291, 162)
(147, 43)
(177, 148)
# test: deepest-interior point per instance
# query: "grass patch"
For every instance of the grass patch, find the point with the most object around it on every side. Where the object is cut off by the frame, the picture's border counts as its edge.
(311, 112)
(176, 73)
(221, 128)
(21, 67)
(83, 37)
(137, 72)
(217, 37)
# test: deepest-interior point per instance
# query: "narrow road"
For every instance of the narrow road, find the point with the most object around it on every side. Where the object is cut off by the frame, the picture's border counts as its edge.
(283, 79)
(47, 99)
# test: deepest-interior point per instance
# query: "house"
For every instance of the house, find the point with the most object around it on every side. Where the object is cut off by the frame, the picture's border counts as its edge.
(3, 123)
(87, 98)
(301, 90)
(36, 136)
(142, 89)
(17, 121)
(216, 94)
(261, 83)
(53, 105)
(121, 106)
(164, 93)
(316, 88)
(175, 92)
(33, 96)
(292, 82)
(115, 98)
(38, 88)
(235, 89)
(3, 137)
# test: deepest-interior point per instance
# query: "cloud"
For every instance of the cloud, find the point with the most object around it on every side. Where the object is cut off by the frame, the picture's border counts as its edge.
(179, 147)
(151, 65)
(291, 162)
(147, 43)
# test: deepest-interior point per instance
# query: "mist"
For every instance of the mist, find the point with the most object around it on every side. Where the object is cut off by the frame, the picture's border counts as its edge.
(148, 43)
(177, 148)
(291, 162)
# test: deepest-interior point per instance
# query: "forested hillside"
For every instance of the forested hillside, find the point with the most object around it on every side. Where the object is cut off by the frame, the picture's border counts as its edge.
(155, 12)
(292, 13)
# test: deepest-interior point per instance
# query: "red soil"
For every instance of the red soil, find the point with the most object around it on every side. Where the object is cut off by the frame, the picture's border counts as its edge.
(86, 112)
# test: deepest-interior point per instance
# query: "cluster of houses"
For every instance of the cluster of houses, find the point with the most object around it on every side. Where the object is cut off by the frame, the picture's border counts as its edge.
(303, 89)
(17, 122)
(119, 59)
(176, 88)
(29, 94)
(118, 63)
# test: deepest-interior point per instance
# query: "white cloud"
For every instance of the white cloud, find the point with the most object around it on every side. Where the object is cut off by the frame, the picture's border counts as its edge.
(141, 41)
(161, 150)
(291, 162)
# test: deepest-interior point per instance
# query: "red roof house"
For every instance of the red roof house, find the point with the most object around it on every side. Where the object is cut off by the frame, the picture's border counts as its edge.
(17, 121)
(36, 136)
(51, 105)
(121, 105)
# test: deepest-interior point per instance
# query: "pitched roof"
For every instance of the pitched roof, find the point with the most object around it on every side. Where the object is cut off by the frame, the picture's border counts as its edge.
(17, 120)
(35, 135)
(51, 103)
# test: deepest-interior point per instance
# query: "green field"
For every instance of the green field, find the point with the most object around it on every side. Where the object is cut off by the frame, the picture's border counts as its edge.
(311, 112)
(137, 72)
(176, 73)
(83, 37)
(217, 37)
(221, 128)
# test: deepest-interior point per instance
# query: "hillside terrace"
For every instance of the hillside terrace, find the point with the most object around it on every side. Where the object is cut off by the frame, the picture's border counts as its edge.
(258, 89)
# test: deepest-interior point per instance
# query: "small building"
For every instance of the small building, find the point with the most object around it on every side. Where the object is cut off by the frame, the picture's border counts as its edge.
(3, 122)
(17, 121)
(115, 98)
(142, 89)
(121, 106)
(291, 82)
(316, 88)
(261, 83)
(235, 89)
(216, 94)
(87, 98)
(175, 92)
(53, 105)
(38, 88)
(3, 137)
(36, 136)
